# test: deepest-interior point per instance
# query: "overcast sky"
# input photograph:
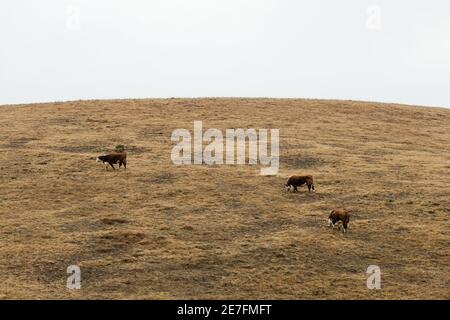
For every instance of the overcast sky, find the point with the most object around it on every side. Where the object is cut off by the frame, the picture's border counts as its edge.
(380, 50)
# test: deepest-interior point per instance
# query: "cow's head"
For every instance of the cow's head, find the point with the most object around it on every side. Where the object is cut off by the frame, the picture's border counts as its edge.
(101, 159)
(330, 222)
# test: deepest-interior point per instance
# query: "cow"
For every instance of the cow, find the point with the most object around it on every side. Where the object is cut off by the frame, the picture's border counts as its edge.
(337, 215)
(297, 181)
(114, 158)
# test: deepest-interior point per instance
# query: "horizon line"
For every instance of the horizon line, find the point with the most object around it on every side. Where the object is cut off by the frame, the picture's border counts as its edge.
(222, 97)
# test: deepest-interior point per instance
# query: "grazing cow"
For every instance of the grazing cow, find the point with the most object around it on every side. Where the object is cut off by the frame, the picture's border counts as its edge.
(337, 215)
(297, 181)
(114, 158)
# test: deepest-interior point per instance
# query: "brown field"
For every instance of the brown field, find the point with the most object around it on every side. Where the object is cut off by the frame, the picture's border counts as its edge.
(160, 231)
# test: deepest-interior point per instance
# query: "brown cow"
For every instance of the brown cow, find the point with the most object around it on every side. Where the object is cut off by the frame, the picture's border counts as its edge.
(297, 181)
(114, 158)
(337, 215)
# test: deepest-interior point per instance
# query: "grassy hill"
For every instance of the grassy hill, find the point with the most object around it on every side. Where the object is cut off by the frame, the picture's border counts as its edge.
(158, 231)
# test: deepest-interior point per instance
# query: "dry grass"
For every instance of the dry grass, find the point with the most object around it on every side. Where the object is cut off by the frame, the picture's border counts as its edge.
(159, 231)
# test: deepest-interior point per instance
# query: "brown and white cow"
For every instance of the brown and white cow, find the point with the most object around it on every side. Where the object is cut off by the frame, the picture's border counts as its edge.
(297, 181)
(337, 215)
(114, 158)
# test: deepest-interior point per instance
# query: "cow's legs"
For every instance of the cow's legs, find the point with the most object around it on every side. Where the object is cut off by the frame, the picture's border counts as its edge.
(112, 165)
(344, 226)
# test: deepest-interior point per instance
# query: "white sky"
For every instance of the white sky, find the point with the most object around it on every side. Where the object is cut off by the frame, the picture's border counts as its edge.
(379, 50)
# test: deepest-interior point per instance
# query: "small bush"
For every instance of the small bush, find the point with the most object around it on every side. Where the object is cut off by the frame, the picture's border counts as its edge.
(120, 148)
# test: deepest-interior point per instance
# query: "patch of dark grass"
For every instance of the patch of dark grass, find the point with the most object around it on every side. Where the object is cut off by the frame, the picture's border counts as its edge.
(301, 162)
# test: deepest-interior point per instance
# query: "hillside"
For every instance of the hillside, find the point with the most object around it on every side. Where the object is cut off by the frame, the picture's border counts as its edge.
(160, 231)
